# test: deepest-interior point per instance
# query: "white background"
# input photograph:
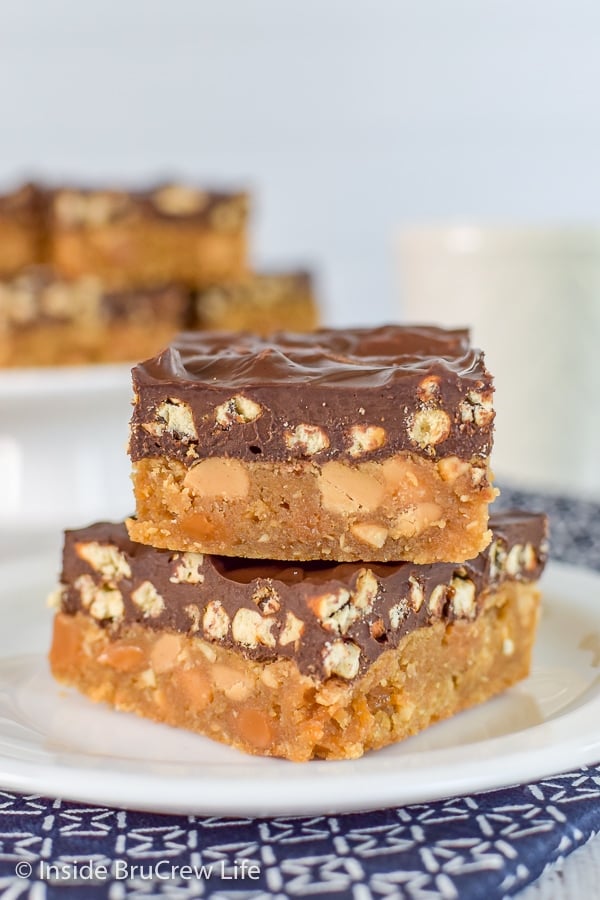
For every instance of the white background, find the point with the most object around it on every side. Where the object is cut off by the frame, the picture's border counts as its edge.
(348, 118)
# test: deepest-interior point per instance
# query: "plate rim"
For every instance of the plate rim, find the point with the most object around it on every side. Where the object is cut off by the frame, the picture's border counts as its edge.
(60, 381)
(568, 741)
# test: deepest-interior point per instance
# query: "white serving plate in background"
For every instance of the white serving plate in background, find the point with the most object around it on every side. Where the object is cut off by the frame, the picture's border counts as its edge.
(63, 446)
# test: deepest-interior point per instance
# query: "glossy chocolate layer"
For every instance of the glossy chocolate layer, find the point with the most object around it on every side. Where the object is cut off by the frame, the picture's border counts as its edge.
(365, 606)
(334, 380)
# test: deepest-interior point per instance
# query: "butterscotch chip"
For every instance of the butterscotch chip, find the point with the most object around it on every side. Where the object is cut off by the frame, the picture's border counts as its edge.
(224, 478)
(299, 661)
(122, 656)
(343, 445)
(345, 488)
(165, 651)
(371, 534)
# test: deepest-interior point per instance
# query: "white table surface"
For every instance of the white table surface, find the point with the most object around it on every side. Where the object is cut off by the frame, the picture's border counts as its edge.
(575, 878)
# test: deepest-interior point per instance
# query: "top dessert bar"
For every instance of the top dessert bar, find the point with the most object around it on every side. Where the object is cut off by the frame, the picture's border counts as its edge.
(357, 444)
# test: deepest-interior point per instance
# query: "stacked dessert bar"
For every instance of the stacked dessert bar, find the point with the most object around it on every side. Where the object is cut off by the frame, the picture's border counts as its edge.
(311, 571)
(135, 266)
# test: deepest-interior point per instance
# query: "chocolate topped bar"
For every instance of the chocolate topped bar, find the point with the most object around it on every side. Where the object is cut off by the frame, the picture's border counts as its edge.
(330, 619)
(303, 661)
(170, 232)
(348, 444)
(260, 302)
(349, 394)
(38, 296)
(47, 320)
(173, 232)
(91, 207)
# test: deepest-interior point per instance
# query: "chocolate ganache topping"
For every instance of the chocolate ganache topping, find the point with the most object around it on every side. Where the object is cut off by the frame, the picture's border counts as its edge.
(252, 398)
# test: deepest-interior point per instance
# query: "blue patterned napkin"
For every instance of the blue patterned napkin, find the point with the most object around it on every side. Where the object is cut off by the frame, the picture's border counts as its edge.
(484, 845)
(487, 845)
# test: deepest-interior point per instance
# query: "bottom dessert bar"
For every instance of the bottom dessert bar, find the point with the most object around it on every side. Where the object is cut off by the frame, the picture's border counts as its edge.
(300, 661)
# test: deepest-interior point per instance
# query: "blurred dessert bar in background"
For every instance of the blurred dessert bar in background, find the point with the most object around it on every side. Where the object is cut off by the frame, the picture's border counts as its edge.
(144, 264)
(140, 238)
(46, 320)
(261, 303)
(172, 232)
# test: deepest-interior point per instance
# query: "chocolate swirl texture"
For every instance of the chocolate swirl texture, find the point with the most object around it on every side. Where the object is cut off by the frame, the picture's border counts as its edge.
(333, 380)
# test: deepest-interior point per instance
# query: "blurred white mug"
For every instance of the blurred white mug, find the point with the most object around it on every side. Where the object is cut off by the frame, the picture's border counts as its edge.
(532, 299)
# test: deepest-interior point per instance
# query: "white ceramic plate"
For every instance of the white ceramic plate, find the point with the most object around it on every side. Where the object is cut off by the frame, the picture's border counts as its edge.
(54, 742)
(62, 381)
